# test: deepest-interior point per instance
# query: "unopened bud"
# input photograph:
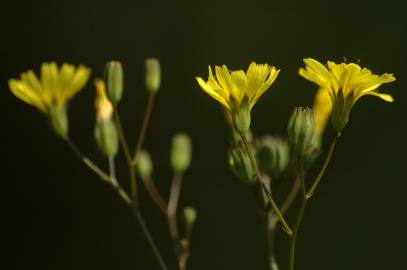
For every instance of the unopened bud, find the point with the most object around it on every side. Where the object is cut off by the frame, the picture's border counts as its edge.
(181, 152)
(104, 108)
(190, 216)
(301, 130)
(153, 75)
(273, 156)
(59, 120)
(107, 138)
(144, 164)
(241, 166)
(114, 81)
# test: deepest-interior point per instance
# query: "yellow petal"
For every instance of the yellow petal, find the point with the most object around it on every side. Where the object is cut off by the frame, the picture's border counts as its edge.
(26, 94)
(212, 92)
(266, 85)
(322, 110)
(385, 97)
(316, 72)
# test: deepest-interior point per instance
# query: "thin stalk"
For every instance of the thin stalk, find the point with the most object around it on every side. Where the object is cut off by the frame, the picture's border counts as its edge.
(172, 210)
(304, 201)
(149, 238)
(326, 163)
(104, 176)
(155, 195)
(289, 200)
(146, 121)
(123, 195)
(253, 161)
(125, 146)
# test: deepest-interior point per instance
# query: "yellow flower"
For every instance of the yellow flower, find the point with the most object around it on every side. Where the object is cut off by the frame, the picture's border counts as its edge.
(345, 83)
(238, 91)
(104, 108)
(54, 88)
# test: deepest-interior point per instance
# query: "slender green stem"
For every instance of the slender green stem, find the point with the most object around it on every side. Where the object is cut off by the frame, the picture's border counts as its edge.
(325, 165)
(104, 176)
(172, 211)
(289, 200)
(111, 180)
(253, 161)
(149, 238)
(293, 239)
(125, 146)
(146, 121)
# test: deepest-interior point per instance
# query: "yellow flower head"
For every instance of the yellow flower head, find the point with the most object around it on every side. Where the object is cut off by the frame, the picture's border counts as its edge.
(104, 108)
(345, 84)
(55, 86)
(230, 88)
(238, 91)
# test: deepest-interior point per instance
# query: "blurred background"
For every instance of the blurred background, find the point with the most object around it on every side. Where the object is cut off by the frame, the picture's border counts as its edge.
(58, 215)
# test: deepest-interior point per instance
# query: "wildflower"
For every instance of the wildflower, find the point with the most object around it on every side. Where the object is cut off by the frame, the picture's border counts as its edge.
(51, 93)
(238, 91)
(55, 86)
(153, 75)
(345, 83)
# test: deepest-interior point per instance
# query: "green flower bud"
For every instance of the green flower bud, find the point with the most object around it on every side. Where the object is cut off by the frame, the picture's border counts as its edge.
(144, 164)
(241, 117)
(180, 152)
(59, 120)
(241, 166)
(301, 130)
(273, 156)
(153, 75)
(107, 137)
(190, 216)
(114, 81)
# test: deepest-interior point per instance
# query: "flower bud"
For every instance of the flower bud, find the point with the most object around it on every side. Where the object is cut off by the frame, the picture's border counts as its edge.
(144, 164)
(104, 109)
(180, 152)
(190, 216)
(273, 155)
(241, 166)
(301, 130)
(105, 130)
(153, 75)
(59, 120)
(114, 81)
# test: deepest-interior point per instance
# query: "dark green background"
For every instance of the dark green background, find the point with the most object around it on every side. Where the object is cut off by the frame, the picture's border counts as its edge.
(57, 215)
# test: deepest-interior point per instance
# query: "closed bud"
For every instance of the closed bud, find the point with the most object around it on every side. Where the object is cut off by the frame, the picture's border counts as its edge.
(181, 152)
(273, 156)
(105, 129)
(144, 164)
(241, 117)
(241, 166)
(107, 138)
(153, 75)
(59, 120)
(301, 130)
(114, 81)
(190, 216)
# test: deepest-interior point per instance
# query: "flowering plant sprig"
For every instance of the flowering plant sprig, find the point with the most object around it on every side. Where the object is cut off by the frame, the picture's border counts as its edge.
(51, 95)
(340, 87)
